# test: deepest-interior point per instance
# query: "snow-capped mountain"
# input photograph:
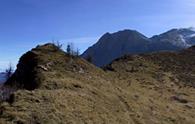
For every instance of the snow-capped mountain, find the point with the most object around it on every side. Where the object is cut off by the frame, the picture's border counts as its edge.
(112, 46)
(184, 37)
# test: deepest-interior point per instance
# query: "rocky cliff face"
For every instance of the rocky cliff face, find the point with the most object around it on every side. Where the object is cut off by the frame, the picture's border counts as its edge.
(112, 46)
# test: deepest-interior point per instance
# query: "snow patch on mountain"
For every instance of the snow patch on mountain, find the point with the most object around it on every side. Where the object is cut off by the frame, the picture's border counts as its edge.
(192, 35)
(192, 28)
(183, 42)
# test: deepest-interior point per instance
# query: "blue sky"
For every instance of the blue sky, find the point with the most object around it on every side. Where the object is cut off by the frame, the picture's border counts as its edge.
(26, 23)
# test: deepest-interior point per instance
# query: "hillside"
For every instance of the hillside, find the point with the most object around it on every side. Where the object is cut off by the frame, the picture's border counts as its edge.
(114, 45)
(60, 89)
(54, 87)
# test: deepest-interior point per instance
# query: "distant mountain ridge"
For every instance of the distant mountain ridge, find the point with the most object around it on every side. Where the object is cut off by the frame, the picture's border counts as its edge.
(184, 37)
(2, 78)
(112, 46)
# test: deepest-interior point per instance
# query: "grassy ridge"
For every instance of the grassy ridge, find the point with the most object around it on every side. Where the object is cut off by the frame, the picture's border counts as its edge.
(141, 89)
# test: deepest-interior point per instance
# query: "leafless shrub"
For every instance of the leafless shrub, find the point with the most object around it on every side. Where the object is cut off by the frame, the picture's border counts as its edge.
(57, 44)
(77, 52)
(6, 92)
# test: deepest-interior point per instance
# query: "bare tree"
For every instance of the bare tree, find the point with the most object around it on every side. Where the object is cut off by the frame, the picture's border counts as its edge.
(77, 52)
(9, 71)
(57, 44)
(72, 51)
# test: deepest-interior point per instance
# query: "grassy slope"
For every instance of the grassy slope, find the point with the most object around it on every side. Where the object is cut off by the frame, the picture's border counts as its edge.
(138, 90)
(151, 90)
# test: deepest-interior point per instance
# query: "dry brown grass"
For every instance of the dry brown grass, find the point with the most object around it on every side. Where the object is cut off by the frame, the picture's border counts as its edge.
(137, 90)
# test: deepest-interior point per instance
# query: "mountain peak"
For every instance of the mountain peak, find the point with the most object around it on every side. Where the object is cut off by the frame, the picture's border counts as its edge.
(124, 32)
(129, 32)
(111, 46)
